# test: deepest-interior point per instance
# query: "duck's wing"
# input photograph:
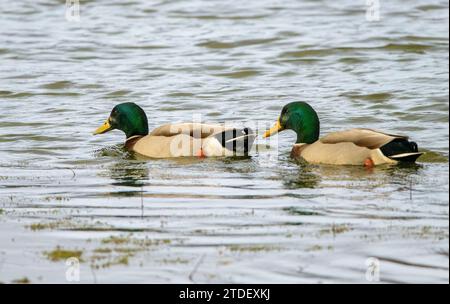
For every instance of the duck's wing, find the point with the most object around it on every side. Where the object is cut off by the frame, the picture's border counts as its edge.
(180, 145)
(196, 130)
(362, 137)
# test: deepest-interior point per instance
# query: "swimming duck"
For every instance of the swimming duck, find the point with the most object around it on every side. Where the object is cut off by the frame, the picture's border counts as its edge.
(351, 147)
(176, 140)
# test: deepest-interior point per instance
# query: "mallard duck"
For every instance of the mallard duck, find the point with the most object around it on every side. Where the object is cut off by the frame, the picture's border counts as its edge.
(351, 147)
(176, 140)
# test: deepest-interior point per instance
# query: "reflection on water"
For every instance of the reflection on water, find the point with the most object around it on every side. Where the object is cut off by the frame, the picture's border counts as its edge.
(256, 219)
(129, 174)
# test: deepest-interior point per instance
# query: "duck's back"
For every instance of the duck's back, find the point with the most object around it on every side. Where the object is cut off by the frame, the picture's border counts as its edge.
(343, 153)
(197, 130)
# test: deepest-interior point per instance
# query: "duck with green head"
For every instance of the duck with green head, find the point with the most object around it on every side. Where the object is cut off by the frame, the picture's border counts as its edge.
(351, 147)
(175, 140)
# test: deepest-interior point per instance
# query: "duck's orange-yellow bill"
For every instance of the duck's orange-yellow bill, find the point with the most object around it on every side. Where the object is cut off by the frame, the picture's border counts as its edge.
(104, 128)
(274, 130)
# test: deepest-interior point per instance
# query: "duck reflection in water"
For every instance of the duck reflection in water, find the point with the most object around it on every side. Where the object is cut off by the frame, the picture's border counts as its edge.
(129, 173)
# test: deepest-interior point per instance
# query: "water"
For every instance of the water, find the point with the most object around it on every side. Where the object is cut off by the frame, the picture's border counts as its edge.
(227, 220)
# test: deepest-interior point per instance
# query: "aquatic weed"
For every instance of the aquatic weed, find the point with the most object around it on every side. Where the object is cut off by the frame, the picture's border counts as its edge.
(60, 254)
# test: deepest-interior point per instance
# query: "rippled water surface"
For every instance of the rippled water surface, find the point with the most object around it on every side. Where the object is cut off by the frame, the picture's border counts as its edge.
(66, 193)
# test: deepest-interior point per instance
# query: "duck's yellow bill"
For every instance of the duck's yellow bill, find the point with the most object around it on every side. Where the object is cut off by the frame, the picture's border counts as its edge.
(274, 130)
(104, 128)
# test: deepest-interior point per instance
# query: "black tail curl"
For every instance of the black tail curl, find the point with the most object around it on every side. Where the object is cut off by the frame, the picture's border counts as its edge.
(240, 141)
(401, 150)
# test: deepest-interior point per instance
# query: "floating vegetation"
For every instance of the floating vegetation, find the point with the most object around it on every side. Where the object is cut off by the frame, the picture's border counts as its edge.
(315, 248)
(120, 249)
(122, 240)
(426, 232)
(336, 229)
(47, 226)
(56, 198)
(116, 240)
(253, 248)
(123, 260)
(114, 250)
(69, 224)
(99, 262)
(319, 248)
(298, 211)
(432, 157)
(60, 254)
(23, 280)
(175, 261)
(103, 250)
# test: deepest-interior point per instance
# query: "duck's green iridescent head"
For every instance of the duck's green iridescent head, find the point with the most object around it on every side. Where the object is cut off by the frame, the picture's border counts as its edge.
(301, 118)
(127, 117)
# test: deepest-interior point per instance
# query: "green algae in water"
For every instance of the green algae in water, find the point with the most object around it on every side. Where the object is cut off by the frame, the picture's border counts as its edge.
(69, 224)
(314, 248)
(60, 254)
(123, 240)
(116, 240)
(252, 249)
(336, 229)
(121, 249)
(109, 262)
(55, 225)
(124, 260)
(297, 211)
(175, 261)
(24, 280)
(103, 250)
(319, 248)
(432, 157)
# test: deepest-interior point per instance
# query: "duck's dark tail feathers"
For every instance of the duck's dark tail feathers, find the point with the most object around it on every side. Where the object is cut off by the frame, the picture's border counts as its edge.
(402, 150)
(240, 141)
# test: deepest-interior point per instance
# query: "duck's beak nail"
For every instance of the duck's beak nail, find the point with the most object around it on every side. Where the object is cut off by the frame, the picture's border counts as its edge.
(104, 128)
(274, 130)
